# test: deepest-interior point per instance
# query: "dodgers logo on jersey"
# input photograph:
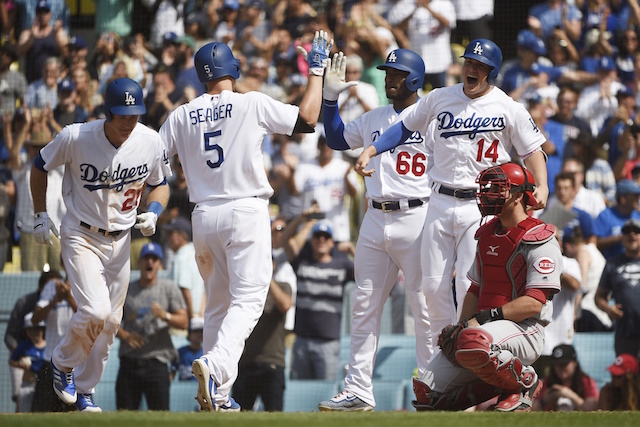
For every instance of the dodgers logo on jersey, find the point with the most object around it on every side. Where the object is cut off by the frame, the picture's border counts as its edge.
(129, 99)
(115, 180)
(468, 126)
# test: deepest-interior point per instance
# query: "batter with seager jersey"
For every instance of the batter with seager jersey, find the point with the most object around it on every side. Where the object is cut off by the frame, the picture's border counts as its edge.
(474, 125)
(108, 165)
(516, 271)
(391, 231)
(218, 137)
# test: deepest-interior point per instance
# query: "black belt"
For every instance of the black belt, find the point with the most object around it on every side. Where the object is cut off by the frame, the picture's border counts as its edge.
(395, 206)
(100, 230)
(457, 192)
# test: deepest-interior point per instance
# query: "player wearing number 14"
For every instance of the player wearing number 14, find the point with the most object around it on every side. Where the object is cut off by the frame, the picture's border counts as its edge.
(471, 126)
(218, 137)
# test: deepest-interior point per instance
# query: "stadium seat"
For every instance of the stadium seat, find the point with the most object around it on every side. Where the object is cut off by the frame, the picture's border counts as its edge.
(304, 395)
(394, 363)
(105, 395)
(182, 396)
(596, 352)
(390, 395)
(409, 396)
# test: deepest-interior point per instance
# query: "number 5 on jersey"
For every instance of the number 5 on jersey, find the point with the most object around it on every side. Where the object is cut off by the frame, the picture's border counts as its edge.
(210, 145)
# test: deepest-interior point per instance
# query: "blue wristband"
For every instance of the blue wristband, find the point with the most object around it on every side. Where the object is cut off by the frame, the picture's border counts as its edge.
(155, 207)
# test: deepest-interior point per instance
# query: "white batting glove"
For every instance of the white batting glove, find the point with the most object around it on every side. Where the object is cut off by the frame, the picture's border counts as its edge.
(42, 229)
(320, 50)
(334, 80)
(147, 223)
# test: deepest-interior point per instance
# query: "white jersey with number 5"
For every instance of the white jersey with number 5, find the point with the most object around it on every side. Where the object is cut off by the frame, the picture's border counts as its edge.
(103, 184)
(219, 144)
(472, 134)
(401, 172)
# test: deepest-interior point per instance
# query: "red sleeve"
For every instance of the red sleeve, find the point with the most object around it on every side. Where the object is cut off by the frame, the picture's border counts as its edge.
(540, 295)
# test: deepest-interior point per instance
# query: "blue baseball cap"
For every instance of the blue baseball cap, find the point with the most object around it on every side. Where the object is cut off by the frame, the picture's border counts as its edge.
(43, 5)
(169, 37)
(529, 41)
(77, 42)
(66, 85)
(627, 186)
(231, 4)
(625, 93)
(606, 64)
(322, 227)
(178, 223)
(152, 249)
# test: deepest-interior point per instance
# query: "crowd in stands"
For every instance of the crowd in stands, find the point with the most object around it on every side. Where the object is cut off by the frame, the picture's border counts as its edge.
(577, 71)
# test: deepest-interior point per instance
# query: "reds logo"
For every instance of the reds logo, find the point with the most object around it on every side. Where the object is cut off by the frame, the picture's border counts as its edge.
(545, 265)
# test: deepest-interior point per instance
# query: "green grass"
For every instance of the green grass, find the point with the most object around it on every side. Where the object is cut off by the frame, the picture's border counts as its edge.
(375, 419)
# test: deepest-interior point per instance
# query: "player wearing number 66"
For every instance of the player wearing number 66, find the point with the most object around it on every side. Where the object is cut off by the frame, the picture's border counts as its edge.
(474, 125)
(391, 231)
(218, 138)
(108, 164)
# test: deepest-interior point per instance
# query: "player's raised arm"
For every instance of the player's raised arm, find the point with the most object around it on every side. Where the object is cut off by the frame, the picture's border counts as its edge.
(334, 83)
(312, 100)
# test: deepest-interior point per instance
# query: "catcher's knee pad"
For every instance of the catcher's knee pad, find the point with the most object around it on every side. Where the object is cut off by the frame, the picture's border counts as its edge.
(424, 396)
(474, 348)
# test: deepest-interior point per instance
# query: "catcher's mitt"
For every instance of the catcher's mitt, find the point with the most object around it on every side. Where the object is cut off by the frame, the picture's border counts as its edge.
(448, 340)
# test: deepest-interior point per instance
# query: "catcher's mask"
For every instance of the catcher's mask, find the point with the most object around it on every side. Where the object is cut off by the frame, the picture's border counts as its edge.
(499, 182)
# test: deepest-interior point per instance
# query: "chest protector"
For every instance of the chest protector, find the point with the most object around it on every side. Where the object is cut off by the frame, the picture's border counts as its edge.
(502, 264)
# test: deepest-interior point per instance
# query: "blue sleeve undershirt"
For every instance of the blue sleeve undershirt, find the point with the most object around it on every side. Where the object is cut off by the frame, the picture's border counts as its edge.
(334, 127)
(392, 137)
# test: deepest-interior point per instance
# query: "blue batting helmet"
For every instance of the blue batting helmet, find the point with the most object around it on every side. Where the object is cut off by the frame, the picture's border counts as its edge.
(123, 98)
(215, 60)
(406, 60)
(487, 52)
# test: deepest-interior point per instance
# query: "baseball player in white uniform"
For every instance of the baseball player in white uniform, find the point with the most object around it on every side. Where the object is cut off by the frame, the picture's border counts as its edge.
(108, 164)
(475, 125)
(218, 137)
(391, 231)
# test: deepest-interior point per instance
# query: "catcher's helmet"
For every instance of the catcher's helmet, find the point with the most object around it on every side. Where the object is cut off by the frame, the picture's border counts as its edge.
(215, 60)
(123, 97)
(487, 52)
(406, 60)
(495, 181)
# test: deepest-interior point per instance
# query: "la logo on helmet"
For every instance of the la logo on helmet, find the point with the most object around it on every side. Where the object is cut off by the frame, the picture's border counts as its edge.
(392, 57)
(129, 99)
(478, 49)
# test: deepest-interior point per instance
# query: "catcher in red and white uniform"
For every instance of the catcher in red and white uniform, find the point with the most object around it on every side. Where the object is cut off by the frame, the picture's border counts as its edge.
(515, 273)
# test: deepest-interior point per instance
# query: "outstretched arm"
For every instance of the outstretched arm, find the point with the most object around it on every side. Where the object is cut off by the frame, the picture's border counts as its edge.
(312, 100)
(334, 83)
(391, 138)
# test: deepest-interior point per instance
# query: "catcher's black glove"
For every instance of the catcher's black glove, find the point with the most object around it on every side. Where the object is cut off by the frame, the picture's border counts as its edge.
(448, 340)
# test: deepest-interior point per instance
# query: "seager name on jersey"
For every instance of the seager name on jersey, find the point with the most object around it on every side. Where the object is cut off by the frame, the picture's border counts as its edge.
(115, 180)
(469, 126)
(210, 114)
